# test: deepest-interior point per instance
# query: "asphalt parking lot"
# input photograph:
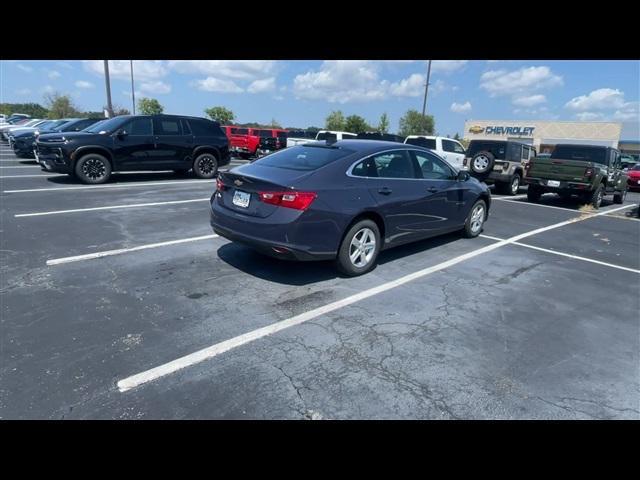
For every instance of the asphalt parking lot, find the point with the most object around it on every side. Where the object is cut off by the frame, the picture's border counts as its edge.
(119, 302)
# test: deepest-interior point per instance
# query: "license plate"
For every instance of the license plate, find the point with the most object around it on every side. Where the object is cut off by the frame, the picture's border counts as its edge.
(553, 183)
(241, 199)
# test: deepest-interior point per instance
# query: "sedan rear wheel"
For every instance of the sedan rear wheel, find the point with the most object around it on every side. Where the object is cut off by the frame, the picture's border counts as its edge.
(475, 220)
(359, 249)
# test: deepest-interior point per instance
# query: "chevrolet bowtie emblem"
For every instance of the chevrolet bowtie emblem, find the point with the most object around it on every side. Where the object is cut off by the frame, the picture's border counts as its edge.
(238, 182)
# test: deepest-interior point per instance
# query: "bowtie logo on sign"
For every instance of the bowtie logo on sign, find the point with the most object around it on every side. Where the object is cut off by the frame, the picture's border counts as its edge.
(476, 129)
(521, 131)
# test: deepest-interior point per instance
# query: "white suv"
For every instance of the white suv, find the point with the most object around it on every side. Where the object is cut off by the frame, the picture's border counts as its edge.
(333, 135)
(448, 148)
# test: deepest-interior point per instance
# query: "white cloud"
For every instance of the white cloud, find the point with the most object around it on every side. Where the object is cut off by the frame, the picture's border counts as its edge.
(263, 85)
(84, 84)
(521, 82)
(24, 68)
(53, 74)
(529, 101)
(461, 107)
(629, 111)
(23, 91)
(212, 84)
(601, 99)
(589, 116)
(65, 65)
(121, 69)
(341, 81)
(409, 87)
(48, 89)
(447, 66)
(157, 87)
(234, 69)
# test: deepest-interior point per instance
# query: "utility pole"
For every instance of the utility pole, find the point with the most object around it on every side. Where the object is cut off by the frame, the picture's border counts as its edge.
(108, 83)
(426, 90)
(133, 93)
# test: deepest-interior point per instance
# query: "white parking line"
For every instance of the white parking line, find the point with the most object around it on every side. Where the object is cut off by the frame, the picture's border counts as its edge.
(108, 253)
(542, 205)
(23, 166)
(44, 175)
(218, 348)
(562, 254)
(119, 185)
(501, 197)
(112, 207)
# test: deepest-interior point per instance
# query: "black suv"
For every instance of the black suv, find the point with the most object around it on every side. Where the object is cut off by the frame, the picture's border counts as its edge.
(136, 142)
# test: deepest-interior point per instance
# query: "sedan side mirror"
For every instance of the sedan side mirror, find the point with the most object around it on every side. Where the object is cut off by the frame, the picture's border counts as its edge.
(463, 176)
(122, 133)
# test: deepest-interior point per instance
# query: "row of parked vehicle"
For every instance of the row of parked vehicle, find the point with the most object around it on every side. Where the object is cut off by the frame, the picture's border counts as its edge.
(339, 195)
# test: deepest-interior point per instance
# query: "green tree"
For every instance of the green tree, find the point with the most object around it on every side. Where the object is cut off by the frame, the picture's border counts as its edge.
(383, 125)
(456, 136)
(222, 115)
(414, 123)
(335, 121)
(356, 124)
(150, 106)
(35, 110)
(60, 106)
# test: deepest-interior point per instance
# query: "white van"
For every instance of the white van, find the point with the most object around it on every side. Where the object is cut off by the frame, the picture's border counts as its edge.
(448, 148)
(333, 135)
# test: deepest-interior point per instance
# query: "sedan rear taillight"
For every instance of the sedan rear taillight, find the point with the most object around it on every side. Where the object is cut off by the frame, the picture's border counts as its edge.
(295, 200)
(219, 185)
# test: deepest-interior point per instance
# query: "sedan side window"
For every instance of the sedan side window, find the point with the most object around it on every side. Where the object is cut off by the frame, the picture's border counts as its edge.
(366, 168)
(433, 168)
(396, 164)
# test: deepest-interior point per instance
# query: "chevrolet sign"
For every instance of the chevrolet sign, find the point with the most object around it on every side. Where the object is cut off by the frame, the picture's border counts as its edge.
(520, 131)
(476, 129)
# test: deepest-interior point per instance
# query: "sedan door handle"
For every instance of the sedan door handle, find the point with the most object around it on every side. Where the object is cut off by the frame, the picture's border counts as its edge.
(432, 189)
(385, 191)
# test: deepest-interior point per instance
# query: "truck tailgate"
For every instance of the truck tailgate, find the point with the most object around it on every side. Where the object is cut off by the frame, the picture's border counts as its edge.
(558, 169)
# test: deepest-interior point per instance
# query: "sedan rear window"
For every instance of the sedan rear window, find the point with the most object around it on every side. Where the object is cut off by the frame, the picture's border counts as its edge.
(304, 157)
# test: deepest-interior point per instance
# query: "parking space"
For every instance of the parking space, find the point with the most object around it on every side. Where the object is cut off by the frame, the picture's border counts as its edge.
(119, 302)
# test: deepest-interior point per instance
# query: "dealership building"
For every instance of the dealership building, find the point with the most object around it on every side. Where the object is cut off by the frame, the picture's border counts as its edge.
(545, 135)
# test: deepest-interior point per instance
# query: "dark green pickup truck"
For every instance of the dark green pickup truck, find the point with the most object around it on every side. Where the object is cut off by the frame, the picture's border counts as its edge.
(585, 170)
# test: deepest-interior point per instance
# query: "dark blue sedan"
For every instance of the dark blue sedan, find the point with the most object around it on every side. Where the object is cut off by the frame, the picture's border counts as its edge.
(346, 201)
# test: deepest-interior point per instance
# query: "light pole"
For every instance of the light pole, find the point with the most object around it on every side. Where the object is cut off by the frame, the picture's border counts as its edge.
(426, 90)
(108, 83)
(133, 93)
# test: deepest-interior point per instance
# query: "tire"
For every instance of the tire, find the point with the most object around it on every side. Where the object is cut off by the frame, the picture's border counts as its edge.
(514, 184)
(475, 220)
(93, 169)
(533, 194)
(366, 260)
(205, 165)
(618, 197)
(482, 163)
(595, 198)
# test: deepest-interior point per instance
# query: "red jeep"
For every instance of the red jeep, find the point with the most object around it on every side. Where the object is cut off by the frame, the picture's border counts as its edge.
(241, 140)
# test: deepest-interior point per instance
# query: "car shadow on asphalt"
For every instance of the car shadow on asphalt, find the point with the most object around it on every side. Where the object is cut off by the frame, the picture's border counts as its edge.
(128, 178)
(295, 273)
(553, 200)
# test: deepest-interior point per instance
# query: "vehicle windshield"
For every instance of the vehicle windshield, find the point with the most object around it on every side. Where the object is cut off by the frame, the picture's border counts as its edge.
(580, 152)
(55, 124)
(107, 126)
(96, 127)
(498, 149)
(304, 157)
(429, 143)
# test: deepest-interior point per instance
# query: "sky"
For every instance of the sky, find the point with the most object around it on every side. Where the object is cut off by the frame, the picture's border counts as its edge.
(302, 93)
